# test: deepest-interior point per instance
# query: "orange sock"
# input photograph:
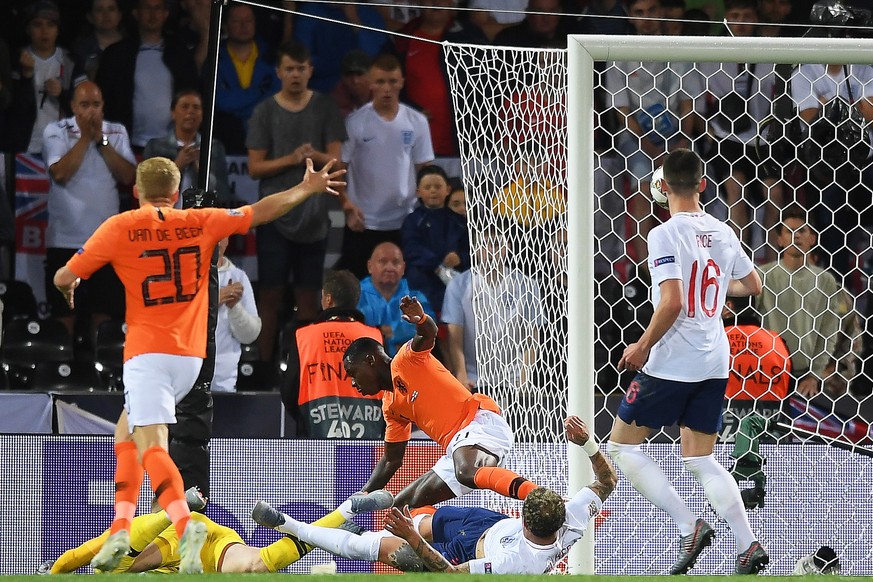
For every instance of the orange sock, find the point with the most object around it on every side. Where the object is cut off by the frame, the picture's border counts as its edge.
(128, 480)
(503, 481)
(167, 485)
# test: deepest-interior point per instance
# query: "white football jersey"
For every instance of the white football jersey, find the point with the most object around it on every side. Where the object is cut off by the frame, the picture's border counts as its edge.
(507, 551)
(705, 254)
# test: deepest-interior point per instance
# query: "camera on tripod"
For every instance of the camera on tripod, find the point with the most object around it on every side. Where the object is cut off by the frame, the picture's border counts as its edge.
(836, 13)
(198, 198)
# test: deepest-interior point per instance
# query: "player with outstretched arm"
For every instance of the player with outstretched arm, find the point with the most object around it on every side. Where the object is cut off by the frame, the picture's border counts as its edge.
(161, 254)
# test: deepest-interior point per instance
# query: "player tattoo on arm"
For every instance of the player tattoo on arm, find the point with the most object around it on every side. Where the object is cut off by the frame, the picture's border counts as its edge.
(400, 524)
(436, 562)
(605, 474)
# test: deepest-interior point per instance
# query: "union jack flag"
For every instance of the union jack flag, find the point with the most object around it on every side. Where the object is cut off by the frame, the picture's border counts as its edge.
(31, 203)
(814, 418)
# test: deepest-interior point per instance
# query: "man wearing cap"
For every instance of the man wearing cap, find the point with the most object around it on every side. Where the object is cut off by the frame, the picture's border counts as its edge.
(246, 76)
(353, 89)
(41, 80)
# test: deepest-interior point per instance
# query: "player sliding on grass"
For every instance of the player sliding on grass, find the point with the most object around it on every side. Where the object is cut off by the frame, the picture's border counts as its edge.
(418, 389)
(471, 539)
(154, 543)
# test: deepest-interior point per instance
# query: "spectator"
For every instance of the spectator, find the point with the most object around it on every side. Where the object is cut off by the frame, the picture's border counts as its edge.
(491, 20)
(424, 61)
(604, 17)
(295, 124)
(41, 81)
(672, 11)
(381, 293)
(353, 90)
(327, 404)
(696, 23)
(86, 157)
(740, 96)
(506, 307)
(457, 198)
(760, 371)
(543, 27)
(714, 10)
(435, 240)
(399, 13)
(245, 78)
(182, 145)
(388, 143)
(654, 102)
(460, 322)
(140, 74)
(329, 40)
(238, 322)
(835, 103)
(193, 32)
(5, 76)
(105, 20)
(774, 14)
(803, 301)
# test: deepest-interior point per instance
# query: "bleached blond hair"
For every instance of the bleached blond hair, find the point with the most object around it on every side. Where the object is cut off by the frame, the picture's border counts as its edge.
(157, 178)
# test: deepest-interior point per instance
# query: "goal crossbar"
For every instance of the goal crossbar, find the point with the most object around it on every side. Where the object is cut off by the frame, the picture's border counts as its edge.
(583, 51)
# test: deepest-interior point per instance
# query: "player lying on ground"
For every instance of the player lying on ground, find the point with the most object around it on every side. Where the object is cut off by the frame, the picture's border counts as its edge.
(471, 539)
(154, 543)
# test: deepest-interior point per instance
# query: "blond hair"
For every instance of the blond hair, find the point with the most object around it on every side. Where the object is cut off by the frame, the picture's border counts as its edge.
(157, 178)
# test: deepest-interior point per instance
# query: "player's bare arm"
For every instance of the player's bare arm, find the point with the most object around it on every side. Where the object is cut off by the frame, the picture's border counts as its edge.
(314, 181)
(391, 460)
(749, 285)
(425, 326)
(400, 524)
(604, 473)
(668, 310)
(66, 282)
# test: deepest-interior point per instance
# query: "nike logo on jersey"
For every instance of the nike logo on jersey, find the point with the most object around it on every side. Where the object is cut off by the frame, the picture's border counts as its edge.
(367, 139)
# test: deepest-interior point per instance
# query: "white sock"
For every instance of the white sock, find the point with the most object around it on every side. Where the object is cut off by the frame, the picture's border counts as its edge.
(340, 542)
(345, 509)
(648, 478)
(290, 526)
(724, 496)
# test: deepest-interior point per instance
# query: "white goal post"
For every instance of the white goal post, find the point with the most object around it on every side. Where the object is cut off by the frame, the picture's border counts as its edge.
(583, 52)
(544, 166)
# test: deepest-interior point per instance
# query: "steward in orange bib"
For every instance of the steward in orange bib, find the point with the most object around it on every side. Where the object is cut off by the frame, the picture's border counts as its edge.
(329, 407)
(760, 362)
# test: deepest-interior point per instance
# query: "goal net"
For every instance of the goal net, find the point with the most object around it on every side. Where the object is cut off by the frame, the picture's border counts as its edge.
(550, 260)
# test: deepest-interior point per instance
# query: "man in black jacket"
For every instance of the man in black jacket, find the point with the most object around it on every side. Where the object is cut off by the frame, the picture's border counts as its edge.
(140, 74)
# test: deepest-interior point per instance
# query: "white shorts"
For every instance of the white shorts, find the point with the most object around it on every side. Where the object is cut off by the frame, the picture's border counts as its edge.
(154, 384)
(489, 431)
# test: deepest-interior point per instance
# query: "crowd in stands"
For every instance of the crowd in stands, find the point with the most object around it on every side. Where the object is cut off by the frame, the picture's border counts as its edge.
(93, 86)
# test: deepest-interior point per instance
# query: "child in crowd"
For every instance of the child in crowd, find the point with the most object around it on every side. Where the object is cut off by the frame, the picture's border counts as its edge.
(457, 199)
(435, 240)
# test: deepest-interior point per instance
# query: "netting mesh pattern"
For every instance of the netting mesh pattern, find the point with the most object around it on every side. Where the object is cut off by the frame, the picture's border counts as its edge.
(62, 495)
(787, 166)
(513, 162)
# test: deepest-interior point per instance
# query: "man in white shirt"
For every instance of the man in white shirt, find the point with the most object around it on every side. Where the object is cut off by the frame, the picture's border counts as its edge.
(473, 540)
(682, 364)
(238, 322)
(86, 158)
(388, 143)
